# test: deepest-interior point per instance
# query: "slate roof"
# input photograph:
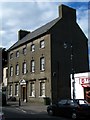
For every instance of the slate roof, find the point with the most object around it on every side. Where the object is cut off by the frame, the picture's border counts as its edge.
(35, 33)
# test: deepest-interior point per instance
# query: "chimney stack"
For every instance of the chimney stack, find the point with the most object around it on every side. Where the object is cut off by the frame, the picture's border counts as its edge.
(67, 12)
(22, 33)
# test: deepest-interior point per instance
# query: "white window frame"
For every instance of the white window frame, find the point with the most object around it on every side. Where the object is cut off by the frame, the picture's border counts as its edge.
(17, 69)
(42, 63)
(24, 68)
(42, 88)
(16, 89)
(17, 53)
(32, 47)
(32, 89)
(11, 56)
(11, 71)
(24, 51)
(32, 66)
(42, 44)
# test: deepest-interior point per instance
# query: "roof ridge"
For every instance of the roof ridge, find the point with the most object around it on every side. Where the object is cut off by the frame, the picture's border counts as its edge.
(39, 31)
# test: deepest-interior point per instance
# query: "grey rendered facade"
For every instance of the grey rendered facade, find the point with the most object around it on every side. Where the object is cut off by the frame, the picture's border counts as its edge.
(65, 50)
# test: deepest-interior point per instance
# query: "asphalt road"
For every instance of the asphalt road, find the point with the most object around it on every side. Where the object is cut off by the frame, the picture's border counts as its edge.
(14, 113)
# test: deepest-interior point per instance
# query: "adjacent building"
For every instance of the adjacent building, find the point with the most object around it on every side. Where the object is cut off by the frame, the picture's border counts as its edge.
(40, 62)
(0, 68)
(82, 86)
(3, 64)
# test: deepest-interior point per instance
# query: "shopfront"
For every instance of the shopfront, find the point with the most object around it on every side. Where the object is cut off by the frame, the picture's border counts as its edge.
(85, 83)
(81, 86)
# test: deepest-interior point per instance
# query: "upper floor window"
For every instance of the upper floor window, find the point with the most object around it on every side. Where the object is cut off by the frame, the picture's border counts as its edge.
(42, 63)
(32, 47)
(11, 71)
(11, 55)
(17, 54)
(32, 66)
(42, 44)
(17, 69)
(24, 68)
(24, 51)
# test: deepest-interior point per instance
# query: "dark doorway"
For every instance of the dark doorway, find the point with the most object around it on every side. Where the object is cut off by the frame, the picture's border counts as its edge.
(87, 93)
(24, 93)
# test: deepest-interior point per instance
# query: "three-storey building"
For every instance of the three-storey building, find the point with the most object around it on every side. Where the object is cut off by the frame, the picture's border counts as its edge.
(40, 62)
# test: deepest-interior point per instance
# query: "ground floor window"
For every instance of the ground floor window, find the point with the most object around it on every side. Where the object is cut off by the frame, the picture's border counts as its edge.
(10, 90)
(42, 89)
(16, 89)
(32, 89)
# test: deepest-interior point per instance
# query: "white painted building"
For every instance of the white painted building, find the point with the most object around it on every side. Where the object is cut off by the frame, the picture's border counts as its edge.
(81, 86)
(5, 76)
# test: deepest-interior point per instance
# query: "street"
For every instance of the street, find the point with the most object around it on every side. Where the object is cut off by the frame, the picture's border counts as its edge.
(16, 113)
(12, 111)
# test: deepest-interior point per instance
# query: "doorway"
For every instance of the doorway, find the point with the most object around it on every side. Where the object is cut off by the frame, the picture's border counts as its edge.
(87, 93)
(24, 93)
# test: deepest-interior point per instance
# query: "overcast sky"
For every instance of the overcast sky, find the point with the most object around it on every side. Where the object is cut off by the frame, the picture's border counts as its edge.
(31, 14)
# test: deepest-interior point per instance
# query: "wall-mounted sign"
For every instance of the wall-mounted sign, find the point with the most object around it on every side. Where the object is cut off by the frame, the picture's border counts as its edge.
(85, 82)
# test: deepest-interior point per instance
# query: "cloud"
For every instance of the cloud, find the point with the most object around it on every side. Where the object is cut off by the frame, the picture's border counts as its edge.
(16, 16)
(82, 20)
(44, 1)
(29, 16)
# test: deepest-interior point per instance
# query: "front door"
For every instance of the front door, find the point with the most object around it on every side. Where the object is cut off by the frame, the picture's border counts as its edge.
(87, 93)
(24, 93)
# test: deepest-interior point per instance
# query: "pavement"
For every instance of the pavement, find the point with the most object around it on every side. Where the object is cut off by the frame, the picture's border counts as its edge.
(28, 107)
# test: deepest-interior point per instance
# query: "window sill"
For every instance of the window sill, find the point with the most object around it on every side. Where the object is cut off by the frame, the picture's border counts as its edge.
(32, 72)
(17, 75)
(24, 73)
(42, 48)
(32, 96)
(42, 96)
(10, 95)
(42, 70)
(16, 95)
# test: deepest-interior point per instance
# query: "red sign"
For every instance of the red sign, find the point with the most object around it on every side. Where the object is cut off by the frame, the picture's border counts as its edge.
(85, 82)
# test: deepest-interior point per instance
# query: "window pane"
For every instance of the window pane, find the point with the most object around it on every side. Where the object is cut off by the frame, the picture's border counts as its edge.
(16, 89)
(42, 44)
(10, 90)
(32, 66)
(42, 63)
(24, 51)
(24, 68)
(11, 55)
(11, 71)
(33, 48)
(17, 69)
(42, 88)
(17, 54)
(32, 89)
